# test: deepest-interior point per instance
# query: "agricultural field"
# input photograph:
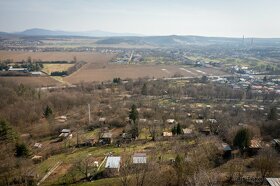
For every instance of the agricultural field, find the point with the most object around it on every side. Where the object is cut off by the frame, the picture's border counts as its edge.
(110, 71)
(99, 68)
(32, 81)
(49, 68)
(49, 56)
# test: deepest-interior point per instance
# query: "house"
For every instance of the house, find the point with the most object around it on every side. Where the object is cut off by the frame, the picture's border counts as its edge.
(255, 146)
(139, 158)
(61, 119)
(212, 121)
(142, 120)
(170, 121)
(167, 134)
(102, 120)
(25, 136)
(17, 69)
(199, 121)
(225, 149)
(189, 115)
(36, 73)
(112, 166)
(273, 181)
(106, 138)
(38, 145)
(205, 130)
(65, 133)
(187, 131)
(37, 159)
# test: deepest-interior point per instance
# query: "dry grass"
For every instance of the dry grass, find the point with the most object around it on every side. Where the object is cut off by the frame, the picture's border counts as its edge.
(109, 71)
(49, 56)
(49, 68)
(99, 69)
(41, 81)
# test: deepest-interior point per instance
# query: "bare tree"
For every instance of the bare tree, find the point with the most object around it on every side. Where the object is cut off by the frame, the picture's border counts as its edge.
(179, 167)
(141, 171)
(235, 169)
(153, 130)
(125, 171)
(266, 162)
(203, 177)
(85, 167)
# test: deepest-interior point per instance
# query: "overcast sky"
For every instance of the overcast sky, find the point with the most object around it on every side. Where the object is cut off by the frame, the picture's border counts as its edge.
(252, 18)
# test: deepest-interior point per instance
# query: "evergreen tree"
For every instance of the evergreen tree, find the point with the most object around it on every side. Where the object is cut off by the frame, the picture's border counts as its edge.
(48, 112)
(174, 130)
(242, 139)
(133, 113)
(133, 116)
(134, 131)
(117, 80)
(4, 128)
(144, 90)
(6, 131)
(22, 150)
(179, 129)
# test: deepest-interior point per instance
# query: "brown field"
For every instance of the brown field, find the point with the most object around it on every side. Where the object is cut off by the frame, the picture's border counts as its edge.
(98, 68)
(49, 68)
(49, 56)
(41, 81)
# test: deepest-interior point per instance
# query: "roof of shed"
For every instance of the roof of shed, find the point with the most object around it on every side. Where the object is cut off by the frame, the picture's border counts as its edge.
(113, 162)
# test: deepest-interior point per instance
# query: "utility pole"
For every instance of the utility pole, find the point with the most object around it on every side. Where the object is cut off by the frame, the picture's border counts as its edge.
(88, 114)
(77, 137)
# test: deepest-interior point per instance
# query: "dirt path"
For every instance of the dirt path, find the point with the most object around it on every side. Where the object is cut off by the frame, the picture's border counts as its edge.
(50, 172)
(102, 163)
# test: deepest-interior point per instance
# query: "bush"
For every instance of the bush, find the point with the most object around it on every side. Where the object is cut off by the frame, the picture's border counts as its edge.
(22, 150)
(116, 123)
(59, 73)
(117, 80)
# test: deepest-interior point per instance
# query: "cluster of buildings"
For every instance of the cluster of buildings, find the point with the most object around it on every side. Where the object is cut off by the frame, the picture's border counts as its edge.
(113, 163)
(23, 70)
(257, 84)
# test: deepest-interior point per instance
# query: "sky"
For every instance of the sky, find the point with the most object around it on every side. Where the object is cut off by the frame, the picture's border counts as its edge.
(230, 18)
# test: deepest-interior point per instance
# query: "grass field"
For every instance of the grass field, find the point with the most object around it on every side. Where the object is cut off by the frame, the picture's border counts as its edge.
(49, 68)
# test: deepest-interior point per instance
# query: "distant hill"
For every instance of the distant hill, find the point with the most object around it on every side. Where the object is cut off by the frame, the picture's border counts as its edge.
(110, 38)
(172, 40)
(94, 33)
(4, 33)
(175, 41)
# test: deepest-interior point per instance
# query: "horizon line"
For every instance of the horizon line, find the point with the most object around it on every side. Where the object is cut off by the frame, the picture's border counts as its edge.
(134, 34)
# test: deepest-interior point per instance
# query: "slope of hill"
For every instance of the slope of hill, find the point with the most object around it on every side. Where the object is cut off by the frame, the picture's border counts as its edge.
(94, 33)
(175, 40)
